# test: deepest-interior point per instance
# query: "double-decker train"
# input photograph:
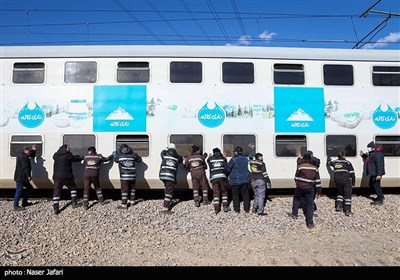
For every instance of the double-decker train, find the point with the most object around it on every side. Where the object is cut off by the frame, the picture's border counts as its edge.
(275, 101)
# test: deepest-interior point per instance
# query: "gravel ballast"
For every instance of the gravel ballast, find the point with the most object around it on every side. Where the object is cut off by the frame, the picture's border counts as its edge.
(191, 236)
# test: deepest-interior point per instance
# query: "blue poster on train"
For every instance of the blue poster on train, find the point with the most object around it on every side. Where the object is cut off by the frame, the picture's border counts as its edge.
(299, 109)
(119, 109)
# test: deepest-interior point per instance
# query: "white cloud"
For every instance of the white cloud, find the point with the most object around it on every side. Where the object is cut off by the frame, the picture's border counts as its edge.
(245, 40)
(391, 38)
(266, 36)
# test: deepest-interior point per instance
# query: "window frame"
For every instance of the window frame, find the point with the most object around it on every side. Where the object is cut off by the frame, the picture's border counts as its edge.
(335, 148)
(78, 73)
(137, 70)
(385, 74)
(289, 73)
(337, 82)
(134, 141)
(379, 142)
(298, 147)
(21, 144)
(28, 71)
(235, 78)
(249, 150)
(182, 76)
(185, 149)
(81, 150)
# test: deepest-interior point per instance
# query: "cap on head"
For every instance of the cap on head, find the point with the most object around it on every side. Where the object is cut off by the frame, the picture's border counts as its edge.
(307, 155)
(258, 156)
(371, 145)
(239, 150)
(195, 149)
(171, 146)
(216, 150)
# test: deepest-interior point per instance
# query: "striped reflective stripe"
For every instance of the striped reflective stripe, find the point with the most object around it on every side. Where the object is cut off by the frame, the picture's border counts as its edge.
(168, 157)
(340, 170)
(308, 168)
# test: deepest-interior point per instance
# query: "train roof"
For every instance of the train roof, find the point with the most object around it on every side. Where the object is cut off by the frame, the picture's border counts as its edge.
(88, 51)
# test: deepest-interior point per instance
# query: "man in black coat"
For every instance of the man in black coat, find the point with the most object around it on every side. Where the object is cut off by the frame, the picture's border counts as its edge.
(375, 163)
(63, 176)
(23, 176)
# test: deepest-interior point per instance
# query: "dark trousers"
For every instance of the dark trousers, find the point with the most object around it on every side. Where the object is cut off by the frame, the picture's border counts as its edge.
(200, 182)
(58, 185)
(168, 192)
(236, 191)
(344, 189)
(220, 187)
(24, 190)
(128, 190)
(376, 185)
(308, 193)
(87, 181)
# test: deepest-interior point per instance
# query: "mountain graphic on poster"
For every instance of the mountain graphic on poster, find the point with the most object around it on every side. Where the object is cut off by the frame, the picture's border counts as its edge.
(300, 115)
(119, 114)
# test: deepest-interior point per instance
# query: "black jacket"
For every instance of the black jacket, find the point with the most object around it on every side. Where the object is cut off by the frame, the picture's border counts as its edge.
(169, 165)
(62, 168)
(218, 167)
(126, 164)
(23, 167)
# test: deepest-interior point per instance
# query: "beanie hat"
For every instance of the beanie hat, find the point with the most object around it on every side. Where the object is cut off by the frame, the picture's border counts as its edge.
(371, 145)
(307, 155)
(216, 150)
(171, 146)
(195, 149)
(239, 149)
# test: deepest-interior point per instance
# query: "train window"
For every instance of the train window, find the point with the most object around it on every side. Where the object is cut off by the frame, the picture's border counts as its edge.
(289, 74)
(185, 72)
(289, 145)
(184, 142)
(238, 72)
(386, 76)
(80, 72)
(338, 75)
(139, 143)
(390, 145)
(79, 143)
(246, 141)
(341, 143)
(28, 73)
(19, 142)
(133, 72)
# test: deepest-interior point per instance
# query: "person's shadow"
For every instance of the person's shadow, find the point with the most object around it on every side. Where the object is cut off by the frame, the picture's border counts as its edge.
(40, 176)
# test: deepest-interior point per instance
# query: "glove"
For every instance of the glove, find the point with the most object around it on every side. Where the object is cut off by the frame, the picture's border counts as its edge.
(114, 153)
(205, 155)
(269, 185)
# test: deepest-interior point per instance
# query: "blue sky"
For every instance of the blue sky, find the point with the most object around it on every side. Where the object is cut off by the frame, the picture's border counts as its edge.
(278, 23)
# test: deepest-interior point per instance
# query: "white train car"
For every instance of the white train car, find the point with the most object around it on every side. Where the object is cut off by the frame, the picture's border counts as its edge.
(269, 100)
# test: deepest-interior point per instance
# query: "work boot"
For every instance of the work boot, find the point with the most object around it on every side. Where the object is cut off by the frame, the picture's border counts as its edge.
(253, 211)
(56, 210)
(377, 203)
(348, 213)
(206, 202)
(227, 209)
(310, 226)
(291, 215)
(19, 208)
(197, 203)
(85, 206)
(76, 205)
(339, 208)
(217, 210)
